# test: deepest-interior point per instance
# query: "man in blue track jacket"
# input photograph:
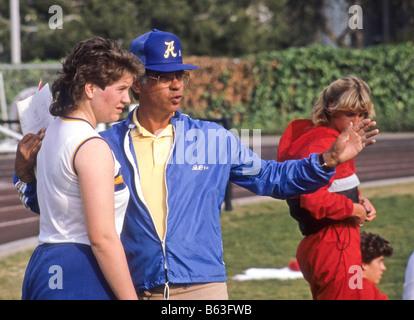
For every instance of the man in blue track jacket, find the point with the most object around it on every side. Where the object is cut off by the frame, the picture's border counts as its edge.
(177, 170)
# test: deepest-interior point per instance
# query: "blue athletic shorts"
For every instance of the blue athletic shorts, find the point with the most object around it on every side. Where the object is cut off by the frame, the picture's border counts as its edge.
(64, 272)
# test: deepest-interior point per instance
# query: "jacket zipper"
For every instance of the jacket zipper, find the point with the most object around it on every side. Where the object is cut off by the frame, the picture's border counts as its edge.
(166, 285)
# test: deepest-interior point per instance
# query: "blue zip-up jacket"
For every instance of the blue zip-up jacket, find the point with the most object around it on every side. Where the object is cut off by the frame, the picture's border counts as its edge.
(203, 159)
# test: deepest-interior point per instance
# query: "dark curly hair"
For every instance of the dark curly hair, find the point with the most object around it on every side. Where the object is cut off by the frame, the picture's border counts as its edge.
(96, 60)
(374, 246)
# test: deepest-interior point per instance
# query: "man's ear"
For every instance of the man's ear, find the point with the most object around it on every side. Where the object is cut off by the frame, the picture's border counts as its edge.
(89, 90)
(136, 87)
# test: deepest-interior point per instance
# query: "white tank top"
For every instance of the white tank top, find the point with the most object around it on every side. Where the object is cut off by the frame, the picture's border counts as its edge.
(62, 218)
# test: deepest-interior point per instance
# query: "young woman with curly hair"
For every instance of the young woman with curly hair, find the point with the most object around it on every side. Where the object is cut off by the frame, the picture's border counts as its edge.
(82, 197)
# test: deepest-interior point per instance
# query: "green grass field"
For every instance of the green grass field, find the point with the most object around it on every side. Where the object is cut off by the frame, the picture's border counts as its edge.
(263, 235)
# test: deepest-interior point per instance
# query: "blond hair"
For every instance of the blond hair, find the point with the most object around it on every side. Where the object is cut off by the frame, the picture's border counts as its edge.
(346, 94)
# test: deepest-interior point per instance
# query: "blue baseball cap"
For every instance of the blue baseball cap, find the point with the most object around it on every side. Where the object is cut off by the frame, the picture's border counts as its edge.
(160, 51)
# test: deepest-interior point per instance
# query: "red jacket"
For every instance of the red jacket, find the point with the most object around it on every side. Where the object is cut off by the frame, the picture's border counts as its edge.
(371, 292)
(331, 245)
(330, 203)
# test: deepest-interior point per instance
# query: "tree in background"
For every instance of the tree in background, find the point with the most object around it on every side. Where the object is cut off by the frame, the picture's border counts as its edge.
(214, 28)
(81, 19)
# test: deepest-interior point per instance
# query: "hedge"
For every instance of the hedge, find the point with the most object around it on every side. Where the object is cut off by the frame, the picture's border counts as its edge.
(283, 85)
(268, 90)
(288, 89)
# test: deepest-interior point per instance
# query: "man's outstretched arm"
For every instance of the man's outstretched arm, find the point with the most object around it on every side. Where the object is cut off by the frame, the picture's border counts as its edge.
(294, 177)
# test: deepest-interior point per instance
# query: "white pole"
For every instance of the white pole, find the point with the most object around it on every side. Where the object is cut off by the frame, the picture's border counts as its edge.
(3, 99)
(11, 133)
(15, 31)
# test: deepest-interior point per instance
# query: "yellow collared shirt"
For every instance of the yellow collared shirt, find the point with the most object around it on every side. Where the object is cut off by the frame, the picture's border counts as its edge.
(152, 153)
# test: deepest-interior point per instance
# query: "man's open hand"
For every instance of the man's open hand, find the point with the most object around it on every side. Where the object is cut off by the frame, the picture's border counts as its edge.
(350, 142)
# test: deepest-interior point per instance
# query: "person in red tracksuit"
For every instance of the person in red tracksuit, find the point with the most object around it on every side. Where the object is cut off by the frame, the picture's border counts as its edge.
(329, 255)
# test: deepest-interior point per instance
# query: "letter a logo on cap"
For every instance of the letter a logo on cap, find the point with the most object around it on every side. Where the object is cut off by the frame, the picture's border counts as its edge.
(170, 49)
(160, 51)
